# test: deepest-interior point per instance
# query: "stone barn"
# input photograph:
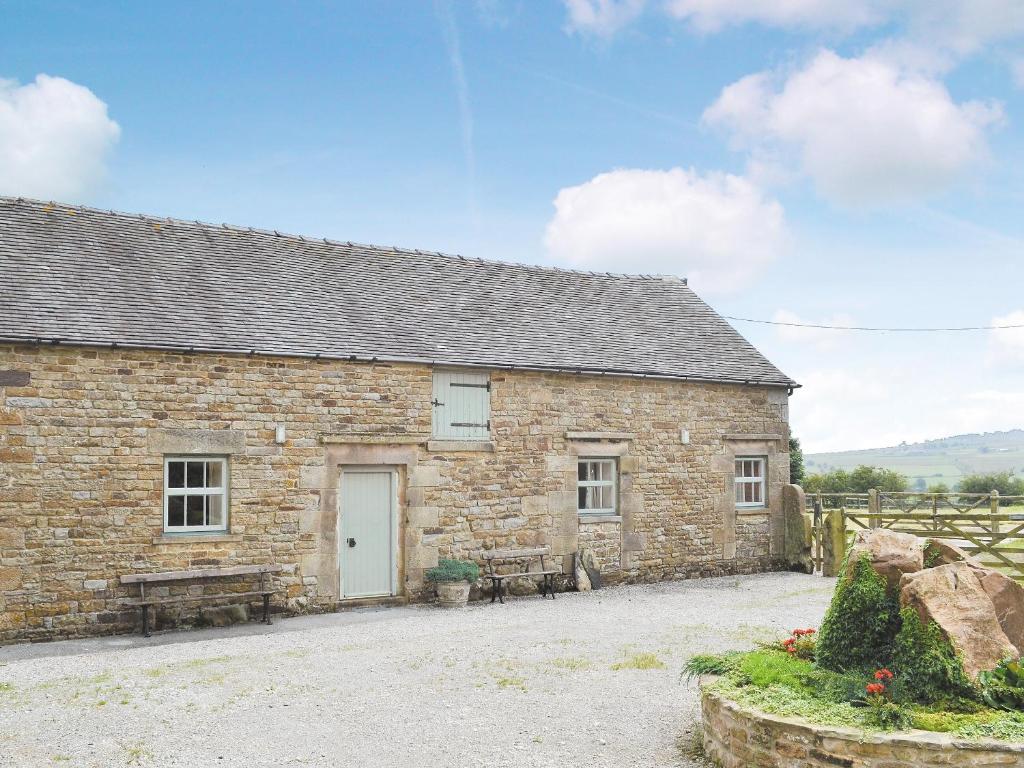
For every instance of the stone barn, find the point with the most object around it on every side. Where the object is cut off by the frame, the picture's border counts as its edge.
(177, 395)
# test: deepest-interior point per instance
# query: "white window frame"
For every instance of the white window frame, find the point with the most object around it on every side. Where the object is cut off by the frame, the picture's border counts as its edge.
(743, 480)
(222, 492)
(613, 484)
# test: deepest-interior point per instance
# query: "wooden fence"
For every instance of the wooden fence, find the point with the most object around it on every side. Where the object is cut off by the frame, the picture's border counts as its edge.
(986, 525)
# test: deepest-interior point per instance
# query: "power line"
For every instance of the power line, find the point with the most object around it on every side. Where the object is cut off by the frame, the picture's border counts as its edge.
(881, 330)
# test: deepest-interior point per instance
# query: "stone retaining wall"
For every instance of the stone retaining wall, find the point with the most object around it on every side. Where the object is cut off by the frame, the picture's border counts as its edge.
(738, 737)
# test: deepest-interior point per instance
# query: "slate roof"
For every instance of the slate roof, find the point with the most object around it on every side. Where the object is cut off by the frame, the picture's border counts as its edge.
(80, 275)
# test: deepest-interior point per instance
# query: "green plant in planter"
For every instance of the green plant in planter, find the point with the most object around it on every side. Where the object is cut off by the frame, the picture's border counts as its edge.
(928, 667)
(861, 623)
(1003, 687)
(454, 570)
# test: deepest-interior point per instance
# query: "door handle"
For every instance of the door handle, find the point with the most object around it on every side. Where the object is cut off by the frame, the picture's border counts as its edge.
(351, 542)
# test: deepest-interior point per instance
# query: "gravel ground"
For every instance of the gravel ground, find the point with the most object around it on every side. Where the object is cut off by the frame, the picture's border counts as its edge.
(530, 683)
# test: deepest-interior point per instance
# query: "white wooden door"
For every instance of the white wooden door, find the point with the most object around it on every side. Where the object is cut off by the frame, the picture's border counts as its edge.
(368, 532)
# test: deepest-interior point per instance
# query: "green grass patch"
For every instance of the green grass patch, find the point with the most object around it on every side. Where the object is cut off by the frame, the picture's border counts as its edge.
(766, 668)
(640, 661)
(572, 663)
(512, 682)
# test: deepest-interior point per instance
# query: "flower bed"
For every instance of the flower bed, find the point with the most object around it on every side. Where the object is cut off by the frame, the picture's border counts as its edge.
(874, 674)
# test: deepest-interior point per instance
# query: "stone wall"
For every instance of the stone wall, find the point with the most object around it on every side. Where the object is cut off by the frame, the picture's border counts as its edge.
(84, 431)
(739, 737)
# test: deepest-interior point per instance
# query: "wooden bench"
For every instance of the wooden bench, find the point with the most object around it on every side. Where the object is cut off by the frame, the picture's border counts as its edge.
(524, 558)
(264, 590)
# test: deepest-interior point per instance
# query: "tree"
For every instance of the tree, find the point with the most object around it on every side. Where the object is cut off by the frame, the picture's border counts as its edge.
(1005, 482)
(796, 461)
(864, 478)
(860, 480)
(939, 487)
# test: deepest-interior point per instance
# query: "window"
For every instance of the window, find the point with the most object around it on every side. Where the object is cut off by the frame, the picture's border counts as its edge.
(195, 494)
(749, 480)
(462, 406)
(596, 487)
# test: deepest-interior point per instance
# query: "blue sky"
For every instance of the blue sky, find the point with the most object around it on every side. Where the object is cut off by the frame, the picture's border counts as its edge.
(854, 162)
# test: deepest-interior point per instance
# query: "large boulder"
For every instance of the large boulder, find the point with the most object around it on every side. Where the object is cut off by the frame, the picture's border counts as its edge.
(892, 553)
(939, 552)
(952, 596)
(1007, 597)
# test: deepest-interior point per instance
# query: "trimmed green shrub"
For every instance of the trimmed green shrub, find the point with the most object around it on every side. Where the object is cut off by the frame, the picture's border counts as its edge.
(454, 570)
(861, 623)
(926, 664)
(1003, 687)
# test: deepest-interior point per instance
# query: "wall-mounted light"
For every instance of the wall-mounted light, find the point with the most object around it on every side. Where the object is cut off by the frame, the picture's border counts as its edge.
(684, 436)
(280, 435)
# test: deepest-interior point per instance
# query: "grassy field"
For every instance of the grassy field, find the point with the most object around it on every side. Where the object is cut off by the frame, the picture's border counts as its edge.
(935, 461)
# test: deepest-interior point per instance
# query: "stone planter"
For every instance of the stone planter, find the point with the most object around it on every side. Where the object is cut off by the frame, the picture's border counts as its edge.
(736, 736)
(452, 594)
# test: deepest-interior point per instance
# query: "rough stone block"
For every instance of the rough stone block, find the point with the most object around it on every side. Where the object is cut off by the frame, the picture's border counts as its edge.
(424, 517)
(423, 476)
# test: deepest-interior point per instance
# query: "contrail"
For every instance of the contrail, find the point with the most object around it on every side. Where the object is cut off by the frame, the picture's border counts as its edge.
(450, 32)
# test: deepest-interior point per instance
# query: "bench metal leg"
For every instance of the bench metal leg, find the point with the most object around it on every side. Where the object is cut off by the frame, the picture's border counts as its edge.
(266, 610)
(145, 621)
(494, 589)
(497, 587)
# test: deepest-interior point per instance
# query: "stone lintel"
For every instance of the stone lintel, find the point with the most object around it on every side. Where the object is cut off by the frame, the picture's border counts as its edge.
(192, 442)
(759, 437)
(600, 435)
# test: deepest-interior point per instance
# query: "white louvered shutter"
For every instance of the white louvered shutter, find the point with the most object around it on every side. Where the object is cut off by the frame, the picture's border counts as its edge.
(462, 406)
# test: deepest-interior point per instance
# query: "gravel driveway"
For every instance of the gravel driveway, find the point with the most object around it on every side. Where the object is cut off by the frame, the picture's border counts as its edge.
(587, 680)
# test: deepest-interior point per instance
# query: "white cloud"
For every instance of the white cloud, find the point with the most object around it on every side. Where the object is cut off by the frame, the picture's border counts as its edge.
(717, 229)
(1006, 345)
(872, 407)
(962, 26)
(820, 339)
(864, 130)
(602, 17)
(54, 138)
(713, 15)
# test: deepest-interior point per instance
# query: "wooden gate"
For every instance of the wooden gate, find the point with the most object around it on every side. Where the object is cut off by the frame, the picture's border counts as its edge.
(988, 526)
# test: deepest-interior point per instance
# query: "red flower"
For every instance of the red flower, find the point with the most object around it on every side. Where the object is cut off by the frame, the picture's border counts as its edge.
(875, 688)
(883, 674)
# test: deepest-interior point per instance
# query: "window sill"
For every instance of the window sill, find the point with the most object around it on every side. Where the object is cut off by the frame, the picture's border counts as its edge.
(587, 518)
(752, 510)
(461, 446)
(197, 538)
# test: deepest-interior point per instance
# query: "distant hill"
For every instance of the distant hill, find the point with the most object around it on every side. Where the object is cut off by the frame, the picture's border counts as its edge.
(934, 461)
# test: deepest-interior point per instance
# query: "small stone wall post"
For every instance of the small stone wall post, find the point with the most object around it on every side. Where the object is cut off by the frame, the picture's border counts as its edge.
(798, 530)
(834, 543)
